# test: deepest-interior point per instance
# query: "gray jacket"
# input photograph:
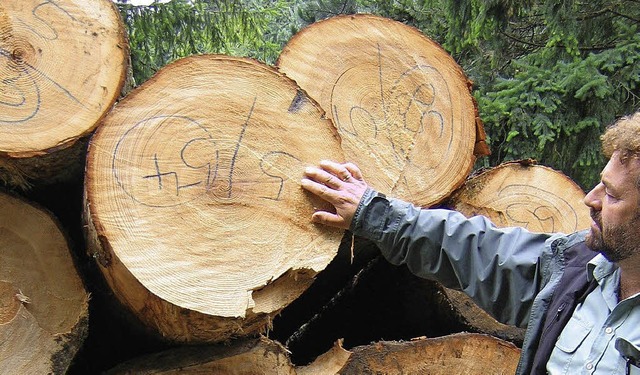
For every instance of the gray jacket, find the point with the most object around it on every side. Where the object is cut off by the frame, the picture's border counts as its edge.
(510, 272)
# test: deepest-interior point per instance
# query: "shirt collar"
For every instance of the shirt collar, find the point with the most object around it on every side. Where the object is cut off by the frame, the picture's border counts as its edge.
(599, 267)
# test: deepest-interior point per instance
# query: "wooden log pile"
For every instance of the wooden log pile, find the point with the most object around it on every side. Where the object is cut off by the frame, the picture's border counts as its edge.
(179, 209)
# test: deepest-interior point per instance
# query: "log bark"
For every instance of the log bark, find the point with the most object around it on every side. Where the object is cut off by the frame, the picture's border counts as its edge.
(62, 66)
(43, 303)
(401, 104)
(454, 354)
(193, 205)
(522, 194)
(257, 356)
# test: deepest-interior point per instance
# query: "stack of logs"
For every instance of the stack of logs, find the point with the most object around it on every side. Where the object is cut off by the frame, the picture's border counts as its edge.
(179, 208)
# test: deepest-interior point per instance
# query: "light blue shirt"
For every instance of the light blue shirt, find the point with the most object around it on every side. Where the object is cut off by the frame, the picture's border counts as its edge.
(587, 343)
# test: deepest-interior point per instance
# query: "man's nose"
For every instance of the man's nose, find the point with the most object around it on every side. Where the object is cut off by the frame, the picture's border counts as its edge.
(593, 199)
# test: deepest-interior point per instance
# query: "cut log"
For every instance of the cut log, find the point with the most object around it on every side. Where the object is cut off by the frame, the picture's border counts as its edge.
(524, 194)
(43, 303)
(516, 194)
(62, 65)
(401, 104)
(193, 203)
(455, 354)
(257, 356)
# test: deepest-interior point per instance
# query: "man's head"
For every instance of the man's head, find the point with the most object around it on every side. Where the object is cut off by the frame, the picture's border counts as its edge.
(624, 136)
(615, 201)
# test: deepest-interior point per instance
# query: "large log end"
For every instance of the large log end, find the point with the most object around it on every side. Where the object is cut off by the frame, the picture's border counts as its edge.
(194, 208)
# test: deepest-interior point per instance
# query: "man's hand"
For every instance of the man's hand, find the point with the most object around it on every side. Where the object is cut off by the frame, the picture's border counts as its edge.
(341, 185)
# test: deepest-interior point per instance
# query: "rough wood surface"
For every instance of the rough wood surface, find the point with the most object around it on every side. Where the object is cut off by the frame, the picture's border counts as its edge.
(194, 208)
(401, 104)
(454, 354)
(461, 354)
(257, 356)
(516, 194)
(43, 303)
(62, 65)
(330, 362)
(473, 319)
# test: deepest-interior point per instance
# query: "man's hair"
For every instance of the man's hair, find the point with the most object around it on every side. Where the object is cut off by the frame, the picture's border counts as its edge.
(623, 136)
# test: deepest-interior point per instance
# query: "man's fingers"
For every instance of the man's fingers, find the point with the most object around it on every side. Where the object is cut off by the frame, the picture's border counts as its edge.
(322, 177)
(334, 174)
(354, 170)
(330, 165)
(328, 218)
(336, 169)
(321, 190)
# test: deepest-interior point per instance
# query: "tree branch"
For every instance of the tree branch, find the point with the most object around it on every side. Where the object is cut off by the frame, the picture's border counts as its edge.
(521, 41)
(624, 15)
(537, 45)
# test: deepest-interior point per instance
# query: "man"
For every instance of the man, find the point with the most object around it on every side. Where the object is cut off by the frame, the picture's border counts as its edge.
(578, 294)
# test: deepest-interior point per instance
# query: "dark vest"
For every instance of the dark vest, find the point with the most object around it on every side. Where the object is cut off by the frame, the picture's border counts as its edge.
(572, 289)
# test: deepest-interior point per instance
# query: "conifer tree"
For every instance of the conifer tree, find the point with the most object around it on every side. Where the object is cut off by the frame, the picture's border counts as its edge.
(160, 33)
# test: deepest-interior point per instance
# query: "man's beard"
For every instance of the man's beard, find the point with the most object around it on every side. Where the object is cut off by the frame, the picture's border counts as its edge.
(615, 243)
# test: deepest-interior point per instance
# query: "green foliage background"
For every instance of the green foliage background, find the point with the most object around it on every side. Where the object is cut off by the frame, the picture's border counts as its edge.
(549, 75)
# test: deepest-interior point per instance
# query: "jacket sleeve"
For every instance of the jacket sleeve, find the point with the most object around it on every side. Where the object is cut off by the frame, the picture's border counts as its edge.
(498, 268)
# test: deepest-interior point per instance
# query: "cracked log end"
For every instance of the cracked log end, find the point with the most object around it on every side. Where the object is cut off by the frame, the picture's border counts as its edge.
(194, 208)
(401, 104)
